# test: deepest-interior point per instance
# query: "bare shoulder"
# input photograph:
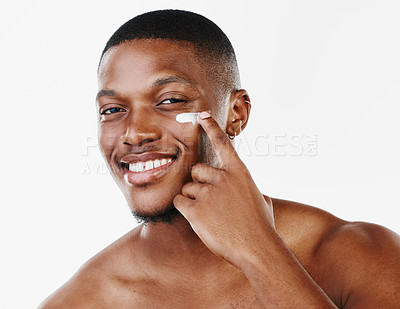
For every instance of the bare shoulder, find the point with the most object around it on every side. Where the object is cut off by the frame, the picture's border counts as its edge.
(363, 259)
(97, 277)
(303, 227)
(77, 292)
(356, 263)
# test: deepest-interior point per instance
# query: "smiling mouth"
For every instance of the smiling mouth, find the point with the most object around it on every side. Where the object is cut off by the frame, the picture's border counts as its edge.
(146, 168)
(143, 166)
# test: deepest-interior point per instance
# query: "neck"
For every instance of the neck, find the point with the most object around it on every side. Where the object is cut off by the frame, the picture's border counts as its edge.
(173, 255)
(176, 243)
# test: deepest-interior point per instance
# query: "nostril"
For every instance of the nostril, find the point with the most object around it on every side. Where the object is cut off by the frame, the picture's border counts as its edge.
(140, 143)
(146, 141)
(140, 136)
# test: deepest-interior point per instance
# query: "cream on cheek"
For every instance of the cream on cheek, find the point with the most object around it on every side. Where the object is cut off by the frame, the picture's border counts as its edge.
(186, 130)
(188, 117)
(190, 128)
(204, 151)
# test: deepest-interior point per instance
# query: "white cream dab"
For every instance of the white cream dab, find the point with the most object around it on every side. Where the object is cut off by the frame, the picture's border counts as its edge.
(188, 117)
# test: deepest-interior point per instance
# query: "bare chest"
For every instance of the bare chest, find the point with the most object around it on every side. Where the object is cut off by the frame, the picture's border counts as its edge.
(154, 295)
(184, 302)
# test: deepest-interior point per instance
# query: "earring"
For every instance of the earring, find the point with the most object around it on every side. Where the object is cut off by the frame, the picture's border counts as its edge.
(232, 137)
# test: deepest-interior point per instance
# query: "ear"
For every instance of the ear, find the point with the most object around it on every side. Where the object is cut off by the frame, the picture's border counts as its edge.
(238, 113)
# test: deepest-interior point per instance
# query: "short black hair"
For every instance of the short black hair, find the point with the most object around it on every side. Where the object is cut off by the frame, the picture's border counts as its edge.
(212, 47)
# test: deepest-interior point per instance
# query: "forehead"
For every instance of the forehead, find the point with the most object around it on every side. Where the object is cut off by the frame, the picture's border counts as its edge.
(140, 62)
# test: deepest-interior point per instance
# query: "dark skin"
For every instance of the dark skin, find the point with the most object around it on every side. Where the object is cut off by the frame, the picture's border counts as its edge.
(229, 248)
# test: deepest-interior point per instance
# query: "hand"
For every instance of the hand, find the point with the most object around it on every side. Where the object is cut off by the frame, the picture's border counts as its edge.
(223, 205)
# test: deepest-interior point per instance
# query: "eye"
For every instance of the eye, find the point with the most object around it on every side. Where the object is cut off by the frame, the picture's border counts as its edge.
(112, 110)
(172, 100)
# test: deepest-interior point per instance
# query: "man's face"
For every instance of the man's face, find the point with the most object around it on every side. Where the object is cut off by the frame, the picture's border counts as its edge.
(143, 85)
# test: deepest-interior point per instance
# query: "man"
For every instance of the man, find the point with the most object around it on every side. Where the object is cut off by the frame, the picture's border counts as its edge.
(209, 238)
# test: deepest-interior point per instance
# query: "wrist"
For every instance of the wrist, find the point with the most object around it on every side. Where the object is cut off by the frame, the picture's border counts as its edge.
(262, 254)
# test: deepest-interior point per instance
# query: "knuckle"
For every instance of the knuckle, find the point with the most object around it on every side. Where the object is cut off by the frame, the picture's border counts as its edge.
(185, 190)
(197, 167)
(220, 176)
(212, 124)
(204, 190)
(223, 140)
(186, 186)
(178, 200)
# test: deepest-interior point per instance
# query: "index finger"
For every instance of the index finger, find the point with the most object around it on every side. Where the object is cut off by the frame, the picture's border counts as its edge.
(222, 144)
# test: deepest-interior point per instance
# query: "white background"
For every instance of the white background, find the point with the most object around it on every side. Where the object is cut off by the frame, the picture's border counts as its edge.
(314, 69)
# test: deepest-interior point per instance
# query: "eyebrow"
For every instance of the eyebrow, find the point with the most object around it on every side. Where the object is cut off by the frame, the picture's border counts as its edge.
(106, 93)
(173, 79)
(157, 83)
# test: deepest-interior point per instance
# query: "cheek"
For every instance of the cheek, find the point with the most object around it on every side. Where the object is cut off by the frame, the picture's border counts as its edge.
(188, 136)
(107, 142)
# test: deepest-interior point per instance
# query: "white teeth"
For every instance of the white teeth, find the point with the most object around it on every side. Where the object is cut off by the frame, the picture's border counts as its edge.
(148, 165)
(132, 167)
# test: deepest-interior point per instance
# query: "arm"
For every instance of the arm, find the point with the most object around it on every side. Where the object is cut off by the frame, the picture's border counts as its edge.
(280, 281)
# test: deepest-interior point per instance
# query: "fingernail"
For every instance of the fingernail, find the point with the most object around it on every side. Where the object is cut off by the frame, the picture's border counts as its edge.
(204, 115)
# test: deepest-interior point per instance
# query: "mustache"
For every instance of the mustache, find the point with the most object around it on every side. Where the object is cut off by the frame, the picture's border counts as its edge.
(139, 149)
(149, 145)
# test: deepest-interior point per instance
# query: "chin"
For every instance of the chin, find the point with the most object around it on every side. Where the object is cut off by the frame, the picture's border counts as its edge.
(151, 212)
(149, 205)
(166, 215)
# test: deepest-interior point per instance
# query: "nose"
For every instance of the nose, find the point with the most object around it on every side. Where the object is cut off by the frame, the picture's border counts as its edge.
(141, 128)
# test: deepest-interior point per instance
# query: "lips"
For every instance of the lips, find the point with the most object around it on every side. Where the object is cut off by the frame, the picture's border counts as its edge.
(146, 168)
